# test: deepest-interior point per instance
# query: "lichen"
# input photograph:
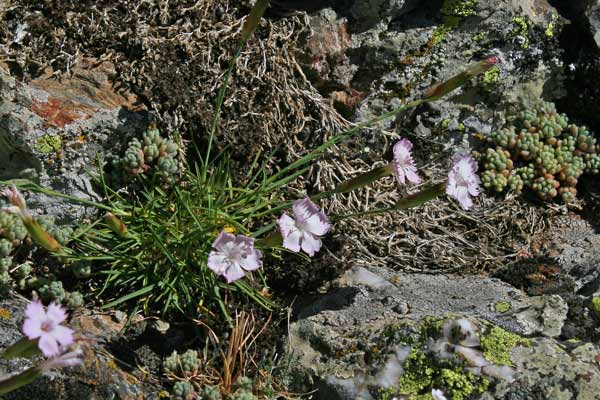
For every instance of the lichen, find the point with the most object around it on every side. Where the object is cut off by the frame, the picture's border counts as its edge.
(520, 29)
(496, 344)
(48, 144)
(491, 77)
(4, 314)
(596, 306)
(502, 306)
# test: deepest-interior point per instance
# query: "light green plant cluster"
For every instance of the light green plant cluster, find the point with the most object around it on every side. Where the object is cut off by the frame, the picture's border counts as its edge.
(19, 276)
(453, 11)
(12, 228)
(153, 151)
(540, 151)
(185, 390)
(184, 365)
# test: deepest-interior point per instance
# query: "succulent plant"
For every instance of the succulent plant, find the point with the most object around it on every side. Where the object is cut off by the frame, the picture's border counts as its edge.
(183, 390)
(153, 151)
(182, 365)
(541, 151)
(73, 300)
(11, 227)
(52, 291)
(211, 392)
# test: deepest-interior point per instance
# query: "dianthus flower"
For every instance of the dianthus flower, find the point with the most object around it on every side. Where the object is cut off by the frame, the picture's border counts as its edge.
(305, 229)
(404, 165)
(463, 181)
(233, 255)
(46, 325)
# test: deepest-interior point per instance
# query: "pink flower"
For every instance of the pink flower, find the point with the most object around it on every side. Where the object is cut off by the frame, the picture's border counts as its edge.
(404, 165)
(463, 181)
(46, 326)
(233, 255)
(305, 229)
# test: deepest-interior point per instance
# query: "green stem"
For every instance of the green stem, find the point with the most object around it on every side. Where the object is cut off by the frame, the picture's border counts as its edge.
(411, 201)
(364, 179)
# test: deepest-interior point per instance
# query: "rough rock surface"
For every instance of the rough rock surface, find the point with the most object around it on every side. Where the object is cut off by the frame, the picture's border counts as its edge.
(334, 337)
(53, 132)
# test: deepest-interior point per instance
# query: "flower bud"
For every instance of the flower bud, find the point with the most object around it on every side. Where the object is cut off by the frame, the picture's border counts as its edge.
(115, 224)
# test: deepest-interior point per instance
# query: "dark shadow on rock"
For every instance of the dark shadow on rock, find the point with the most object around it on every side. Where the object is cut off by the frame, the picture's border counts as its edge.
(335, 300)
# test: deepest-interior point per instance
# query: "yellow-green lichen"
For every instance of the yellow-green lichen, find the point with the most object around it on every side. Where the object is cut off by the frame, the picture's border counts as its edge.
(453, 12)
(497, 343)
(521, 28)
(550, 28)
(503, 306)
(4, 314)
(491, 76)
(461, 385)
(48, 143)
(596, 306)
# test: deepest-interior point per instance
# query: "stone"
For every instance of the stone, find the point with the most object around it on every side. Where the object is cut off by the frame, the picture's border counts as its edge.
(545, 315)
(54, 132)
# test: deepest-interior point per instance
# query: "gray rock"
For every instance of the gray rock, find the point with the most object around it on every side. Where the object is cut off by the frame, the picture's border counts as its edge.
(333, 338)
(53, 133)
(545, 315)
(550, 370)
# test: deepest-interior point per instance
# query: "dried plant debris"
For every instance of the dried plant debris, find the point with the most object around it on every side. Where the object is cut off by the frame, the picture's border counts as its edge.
(174, 56)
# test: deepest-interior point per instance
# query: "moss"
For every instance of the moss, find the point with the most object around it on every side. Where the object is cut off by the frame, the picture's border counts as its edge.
(497, 343)
(48, 143)
(596, 306)
(502, 306)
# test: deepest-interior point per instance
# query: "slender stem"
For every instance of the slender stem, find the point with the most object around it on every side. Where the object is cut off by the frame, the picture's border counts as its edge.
(411, 201)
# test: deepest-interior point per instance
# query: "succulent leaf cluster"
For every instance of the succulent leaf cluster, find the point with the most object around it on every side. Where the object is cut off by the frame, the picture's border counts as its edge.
(182, 365)
(151, 152)
(540, 150)
(12, 228)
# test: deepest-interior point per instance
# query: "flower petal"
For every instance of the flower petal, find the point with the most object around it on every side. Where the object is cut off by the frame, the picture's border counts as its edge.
(32, 328)
(310, 244)
(233, 273)
(56, 313)
(292, 241)
(48, 345)
(317, 224)
(286, 224)
(62, 335)
(252, 262)
(412, 176)
(463, 198)
(217, 262)
(222, 240)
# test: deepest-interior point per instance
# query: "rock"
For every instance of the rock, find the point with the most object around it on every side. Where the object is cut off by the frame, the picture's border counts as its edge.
(353, 343)
(592, 14)
(545, 315)
(550, 370)
(53, 132)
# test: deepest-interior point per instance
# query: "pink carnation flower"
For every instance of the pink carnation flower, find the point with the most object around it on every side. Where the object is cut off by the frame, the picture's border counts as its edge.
(463, 181)
(404, 165)
(233, 255)
(305, 229)
(45, 325)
